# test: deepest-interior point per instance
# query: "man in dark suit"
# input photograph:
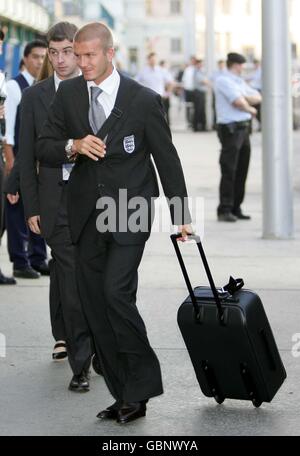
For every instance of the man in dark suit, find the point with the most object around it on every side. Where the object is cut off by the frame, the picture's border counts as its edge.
(3, 279)
(108, 259)
(27, 250)
(44, 193)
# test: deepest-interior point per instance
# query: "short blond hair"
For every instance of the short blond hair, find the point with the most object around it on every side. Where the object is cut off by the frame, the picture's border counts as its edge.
(95, 30)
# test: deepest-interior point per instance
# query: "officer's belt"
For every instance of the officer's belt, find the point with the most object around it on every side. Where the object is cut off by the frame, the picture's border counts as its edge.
(242, 124)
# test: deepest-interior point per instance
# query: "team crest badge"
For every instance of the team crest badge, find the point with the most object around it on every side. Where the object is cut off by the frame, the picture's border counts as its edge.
(128, 143)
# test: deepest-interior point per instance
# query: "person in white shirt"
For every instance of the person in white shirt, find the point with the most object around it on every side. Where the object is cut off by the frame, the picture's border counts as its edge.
(235, 101)
(188, 83)
(155, 77)
(202, 85)
(169, 85)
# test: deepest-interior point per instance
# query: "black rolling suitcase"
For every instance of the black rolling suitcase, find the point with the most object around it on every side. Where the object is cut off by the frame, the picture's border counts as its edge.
(229, 339)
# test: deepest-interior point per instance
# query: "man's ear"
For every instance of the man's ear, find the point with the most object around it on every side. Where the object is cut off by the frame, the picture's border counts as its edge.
(110, 54)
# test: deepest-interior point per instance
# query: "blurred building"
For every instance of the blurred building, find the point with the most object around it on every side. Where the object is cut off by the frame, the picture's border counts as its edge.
(175, 29)
(22, 21)
(166, 27)
(80, 12)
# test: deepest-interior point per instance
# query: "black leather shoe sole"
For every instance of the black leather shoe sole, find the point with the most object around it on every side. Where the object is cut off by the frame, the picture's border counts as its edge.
(227, 218)
(108, 414)
(7, 280)
(79, 388)
(128, 418)
(128, 414)
(26, 273)
(243, 217)
(43, 269)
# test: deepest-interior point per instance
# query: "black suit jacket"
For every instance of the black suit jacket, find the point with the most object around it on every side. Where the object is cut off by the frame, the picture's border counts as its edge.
(143, 121)
(40, 187)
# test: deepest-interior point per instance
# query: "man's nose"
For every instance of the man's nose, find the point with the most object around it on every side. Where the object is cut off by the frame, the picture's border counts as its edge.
(60, 58)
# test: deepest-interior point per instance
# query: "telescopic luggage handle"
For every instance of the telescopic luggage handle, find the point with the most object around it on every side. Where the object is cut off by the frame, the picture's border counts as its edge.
(174, 238)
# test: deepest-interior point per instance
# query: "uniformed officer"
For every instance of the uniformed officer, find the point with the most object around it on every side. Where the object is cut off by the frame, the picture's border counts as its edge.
(235, 101)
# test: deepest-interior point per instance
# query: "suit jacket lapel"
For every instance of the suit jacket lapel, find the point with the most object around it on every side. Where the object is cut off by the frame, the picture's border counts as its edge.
(81, 98)
(124, 96)
(47, 92)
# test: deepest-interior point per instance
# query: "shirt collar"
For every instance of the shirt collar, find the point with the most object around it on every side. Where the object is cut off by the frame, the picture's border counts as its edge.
(109, 84)
(234, 76)
(29, 78)
(57, 81)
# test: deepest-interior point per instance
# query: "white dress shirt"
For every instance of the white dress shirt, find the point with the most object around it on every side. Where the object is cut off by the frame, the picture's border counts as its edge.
(228, 88)
(14, 95)
(110, 87)
(155, 78)
(188, 78)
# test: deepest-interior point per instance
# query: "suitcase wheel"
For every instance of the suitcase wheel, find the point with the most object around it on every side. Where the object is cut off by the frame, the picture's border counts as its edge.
(219, 399)
(256, 402)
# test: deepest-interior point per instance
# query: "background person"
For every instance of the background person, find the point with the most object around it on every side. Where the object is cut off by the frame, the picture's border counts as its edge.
(27, 251)
(235, 101)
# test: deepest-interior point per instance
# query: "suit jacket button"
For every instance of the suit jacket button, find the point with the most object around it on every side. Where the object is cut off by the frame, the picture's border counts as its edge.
(100, 185)
(60, 183)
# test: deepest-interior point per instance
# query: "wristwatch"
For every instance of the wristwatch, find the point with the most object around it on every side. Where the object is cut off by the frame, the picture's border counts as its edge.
(68, 148)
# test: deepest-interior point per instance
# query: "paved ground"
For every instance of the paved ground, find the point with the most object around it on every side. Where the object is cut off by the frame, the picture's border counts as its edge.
(34, 399)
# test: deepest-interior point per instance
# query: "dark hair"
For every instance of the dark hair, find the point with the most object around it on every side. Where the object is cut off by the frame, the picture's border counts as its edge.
(2, 35)
(21, 64)
(95, 30)
(234, 57)
(61, 31)
(46, 70)
(33, 44)
(152, 54)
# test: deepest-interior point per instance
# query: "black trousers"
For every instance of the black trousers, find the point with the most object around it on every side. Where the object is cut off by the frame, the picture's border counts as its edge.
(25, 248)
(189, 99)
(166, 105)
(199, 122)
(1, 192)
(107, 278)
(234, 162)
(56, 314)
(67, 303)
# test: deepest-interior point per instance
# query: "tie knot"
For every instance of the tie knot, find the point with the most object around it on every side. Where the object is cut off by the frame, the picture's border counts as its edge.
(95, 92)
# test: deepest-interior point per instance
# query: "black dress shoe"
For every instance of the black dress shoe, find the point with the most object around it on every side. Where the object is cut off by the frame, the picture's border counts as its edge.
(131, 411)
(26, 273)
(241, 216)
(80, 383)
(227, 217)
(42, 268)
(110, 413)
(6, 280)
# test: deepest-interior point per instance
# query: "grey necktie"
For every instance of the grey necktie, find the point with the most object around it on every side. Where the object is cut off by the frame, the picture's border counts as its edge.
(97, 115)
